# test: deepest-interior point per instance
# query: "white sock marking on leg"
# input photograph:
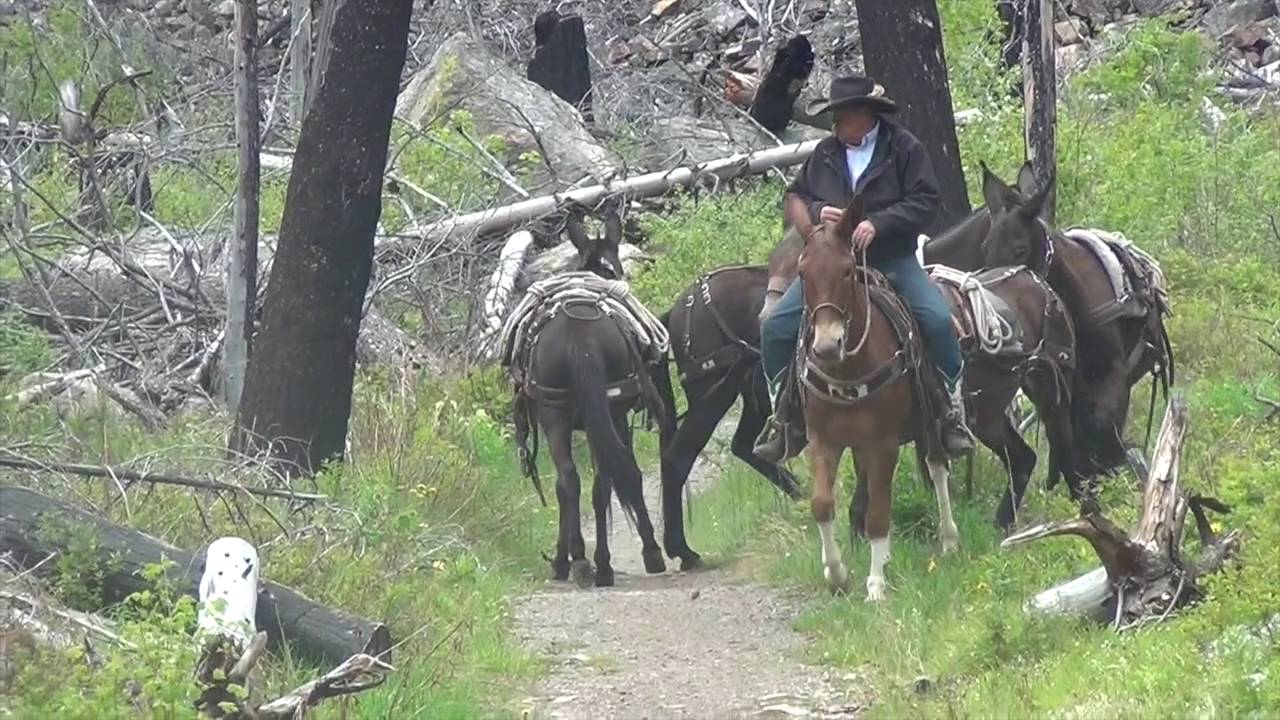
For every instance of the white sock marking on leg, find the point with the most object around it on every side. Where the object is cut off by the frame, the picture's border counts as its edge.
(947, 530)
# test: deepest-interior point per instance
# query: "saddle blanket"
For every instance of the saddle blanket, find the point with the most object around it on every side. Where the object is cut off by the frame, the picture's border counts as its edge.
(612, 297)
(1136, 277)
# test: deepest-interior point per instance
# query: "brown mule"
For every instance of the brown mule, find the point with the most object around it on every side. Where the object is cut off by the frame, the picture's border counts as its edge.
(868, 398)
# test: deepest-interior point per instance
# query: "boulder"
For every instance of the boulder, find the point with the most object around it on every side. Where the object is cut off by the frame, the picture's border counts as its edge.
(1224, 17)
(464, 74)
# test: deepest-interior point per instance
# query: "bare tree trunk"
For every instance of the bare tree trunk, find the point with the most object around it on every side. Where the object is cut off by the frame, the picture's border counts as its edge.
(1040, 95)
(299, 57)
(242, 261)
(298, 389)
(902, 49)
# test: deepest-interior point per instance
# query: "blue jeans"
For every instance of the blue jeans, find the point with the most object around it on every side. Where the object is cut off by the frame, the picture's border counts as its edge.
(782, 328)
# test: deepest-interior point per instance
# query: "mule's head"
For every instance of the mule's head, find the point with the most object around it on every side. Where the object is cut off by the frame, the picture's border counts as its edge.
(600, 255)
(827, 272)
(1018, 235)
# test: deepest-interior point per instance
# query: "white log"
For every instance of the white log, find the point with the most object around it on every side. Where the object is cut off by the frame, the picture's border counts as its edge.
(229, 591)
(503, 280)
(1081, 596)
(647, 185)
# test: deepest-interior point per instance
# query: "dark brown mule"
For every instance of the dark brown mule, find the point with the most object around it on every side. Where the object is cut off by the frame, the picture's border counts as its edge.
(715, 341)
(869, 399)
(585, 372)
(1116, 348)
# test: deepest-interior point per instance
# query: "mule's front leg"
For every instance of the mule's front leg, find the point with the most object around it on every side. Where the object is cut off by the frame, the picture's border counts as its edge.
(880, 461)
(825, 460)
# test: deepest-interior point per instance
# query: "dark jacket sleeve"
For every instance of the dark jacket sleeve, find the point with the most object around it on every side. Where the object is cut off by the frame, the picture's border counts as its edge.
(800, 187)
(920, 199)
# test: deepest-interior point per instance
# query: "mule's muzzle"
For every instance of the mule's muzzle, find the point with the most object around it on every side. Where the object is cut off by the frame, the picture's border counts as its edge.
(829, 347)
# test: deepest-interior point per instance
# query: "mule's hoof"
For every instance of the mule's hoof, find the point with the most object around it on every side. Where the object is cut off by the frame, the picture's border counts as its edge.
(604, 577)
(837, 579)
(583, 575)
(560, 570)
(653, 563)
(875, 589)
(690, 561)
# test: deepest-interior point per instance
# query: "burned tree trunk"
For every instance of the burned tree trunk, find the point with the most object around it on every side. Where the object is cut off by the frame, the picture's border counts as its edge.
(775, 102)
(1144, 575)
(902, 49)
(242, 261)
(1040, 96)
(297, 396)
(560, 62)
(34, 527)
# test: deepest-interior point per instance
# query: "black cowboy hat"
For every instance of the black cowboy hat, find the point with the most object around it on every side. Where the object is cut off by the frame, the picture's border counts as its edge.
(852, 91)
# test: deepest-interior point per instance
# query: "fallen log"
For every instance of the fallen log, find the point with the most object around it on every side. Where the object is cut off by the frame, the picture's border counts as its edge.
(640, 186)
(28, 523)
(1144, 576)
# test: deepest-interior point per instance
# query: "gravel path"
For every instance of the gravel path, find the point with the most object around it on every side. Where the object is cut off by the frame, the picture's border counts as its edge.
(677, 645)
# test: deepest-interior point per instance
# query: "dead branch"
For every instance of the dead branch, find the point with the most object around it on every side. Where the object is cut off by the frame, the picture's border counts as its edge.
(1143, 575)
(116, 473)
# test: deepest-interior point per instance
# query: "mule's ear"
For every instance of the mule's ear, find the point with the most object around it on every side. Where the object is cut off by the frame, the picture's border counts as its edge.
(853, 214)
(1037, 204)
(613, 228)
(577, 236)
(1027, 179)
(998, 196)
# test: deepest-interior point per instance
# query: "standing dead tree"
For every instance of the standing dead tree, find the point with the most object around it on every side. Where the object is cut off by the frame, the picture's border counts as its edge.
(1144, 575)
(560, 61)
(1040, 95)
(242, 261)
(902, 48)
(297, 397)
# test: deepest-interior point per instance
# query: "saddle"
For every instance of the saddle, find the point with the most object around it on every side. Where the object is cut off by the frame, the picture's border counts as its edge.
(693, 367)
(1137, 281)
(984, 322)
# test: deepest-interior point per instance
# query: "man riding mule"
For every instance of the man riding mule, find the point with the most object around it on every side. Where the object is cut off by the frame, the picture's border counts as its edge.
(870, 156)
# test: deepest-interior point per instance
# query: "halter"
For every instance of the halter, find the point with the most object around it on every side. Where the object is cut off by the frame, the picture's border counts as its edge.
(860, 263)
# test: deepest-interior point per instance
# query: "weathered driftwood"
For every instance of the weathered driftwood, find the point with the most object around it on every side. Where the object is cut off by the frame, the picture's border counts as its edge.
(1144, 575)
(640, 186)
(29, 531)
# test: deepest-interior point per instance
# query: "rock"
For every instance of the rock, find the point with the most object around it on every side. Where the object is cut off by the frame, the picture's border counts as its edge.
(1070, 59)
(464, 74)
(682, 140)
(1271, 55)
(1067, 33)
(1224, 17)
(1153, 8)
(226, 9)
(724, 17)
(663, 8)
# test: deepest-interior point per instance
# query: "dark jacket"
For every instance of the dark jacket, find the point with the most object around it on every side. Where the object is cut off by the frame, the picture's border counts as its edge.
(899, 189)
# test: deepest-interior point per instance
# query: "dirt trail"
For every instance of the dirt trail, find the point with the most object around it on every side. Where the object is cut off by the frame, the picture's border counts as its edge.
(677, 645)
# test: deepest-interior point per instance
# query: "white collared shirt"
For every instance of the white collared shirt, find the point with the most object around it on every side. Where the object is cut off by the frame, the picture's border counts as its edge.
(859, 157)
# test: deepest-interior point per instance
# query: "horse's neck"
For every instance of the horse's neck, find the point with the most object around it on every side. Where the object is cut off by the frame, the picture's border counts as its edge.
(1075, 275)
(960, 246)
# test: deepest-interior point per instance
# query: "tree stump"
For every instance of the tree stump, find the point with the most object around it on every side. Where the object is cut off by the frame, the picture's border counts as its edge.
(775, 101)
(560, 62)
(1144, 575)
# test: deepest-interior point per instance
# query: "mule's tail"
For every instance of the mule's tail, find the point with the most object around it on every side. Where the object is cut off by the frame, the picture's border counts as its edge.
(615, 462)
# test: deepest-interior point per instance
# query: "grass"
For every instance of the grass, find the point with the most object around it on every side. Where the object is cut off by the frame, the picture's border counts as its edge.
(431, 527)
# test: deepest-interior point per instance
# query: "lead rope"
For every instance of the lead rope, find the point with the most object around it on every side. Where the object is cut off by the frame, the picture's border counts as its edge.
(860, 269)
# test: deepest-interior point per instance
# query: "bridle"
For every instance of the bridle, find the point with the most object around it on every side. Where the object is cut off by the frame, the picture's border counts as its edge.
(860, 265)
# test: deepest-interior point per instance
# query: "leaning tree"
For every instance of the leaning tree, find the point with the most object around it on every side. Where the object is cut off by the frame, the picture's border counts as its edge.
(902, 49)
(297, 392)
